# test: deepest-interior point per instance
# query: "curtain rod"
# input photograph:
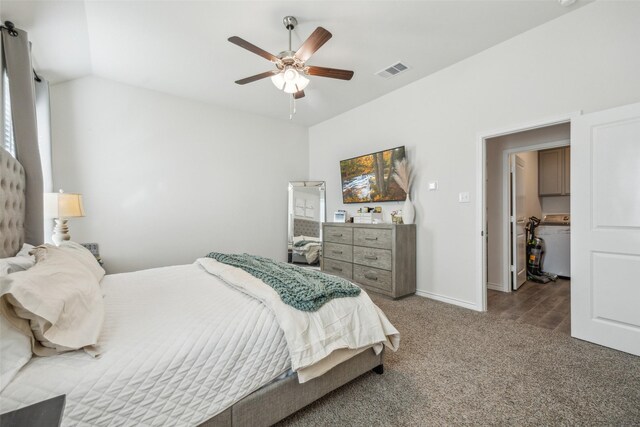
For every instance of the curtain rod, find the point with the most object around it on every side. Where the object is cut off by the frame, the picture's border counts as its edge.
(9, 26)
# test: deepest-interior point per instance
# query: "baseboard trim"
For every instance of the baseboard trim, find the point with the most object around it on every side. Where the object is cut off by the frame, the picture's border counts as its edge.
(495, 287)
(449, 300)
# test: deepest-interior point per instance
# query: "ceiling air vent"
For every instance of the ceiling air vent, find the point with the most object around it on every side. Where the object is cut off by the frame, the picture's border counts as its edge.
(393, 70)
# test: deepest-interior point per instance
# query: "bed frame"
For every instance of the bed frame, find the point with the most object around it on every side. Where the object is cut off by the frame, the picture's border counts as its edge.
(278, 400)
(263, 407)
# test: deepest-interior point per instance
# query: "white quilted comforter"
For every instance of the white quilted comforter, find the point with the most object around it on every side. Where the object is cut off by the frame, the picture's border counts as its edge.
(317, 340)
(157, 368)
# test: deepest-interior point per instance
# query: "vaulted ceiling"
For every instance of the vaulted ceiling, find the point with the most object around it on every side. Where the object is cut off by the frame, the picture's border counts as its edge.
(181, 47)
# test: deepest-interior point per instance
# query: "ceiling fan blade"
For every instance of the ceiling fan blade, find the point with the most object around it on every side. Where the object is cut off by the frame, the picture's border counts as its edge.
(333, 73)
(257, 77)
(253, 48)
(299, 94)
(315, 41)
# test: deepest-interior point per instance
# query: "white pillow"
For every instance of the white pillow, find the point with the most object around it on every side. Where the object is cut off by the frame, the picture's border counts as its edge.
(26, 248)
(15, 351)
(22, 261)
(85, 256)
(57, 303)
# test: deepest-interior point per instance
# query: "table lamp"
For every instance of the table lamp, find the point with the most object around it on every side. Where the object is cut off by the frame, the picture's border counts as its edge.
(62, 206)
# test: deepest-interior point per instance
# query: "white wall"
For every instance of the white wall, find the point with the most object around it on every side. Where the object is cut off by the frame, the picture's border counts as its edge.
(496, 259)
(585, 60)
(166, 180)
(310, 197)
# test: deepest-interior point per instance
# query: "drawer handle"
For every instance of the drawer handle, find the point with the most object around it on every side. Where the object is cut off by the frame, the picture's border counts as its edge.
(337, 235)
(370, 277)
(337, 252)
(372, 257)
(370, 238)
(336, 268)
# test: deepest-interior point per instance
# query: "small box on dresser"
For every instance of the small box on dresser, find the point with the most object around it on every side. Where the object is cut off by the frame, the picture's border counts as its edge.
(367, 218)
(379, 257)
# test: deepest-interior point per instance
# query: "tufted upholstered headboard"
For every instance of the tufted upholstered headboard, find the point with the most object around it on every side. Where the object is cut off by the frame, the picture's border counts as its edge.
(12, 204)
(306, 227)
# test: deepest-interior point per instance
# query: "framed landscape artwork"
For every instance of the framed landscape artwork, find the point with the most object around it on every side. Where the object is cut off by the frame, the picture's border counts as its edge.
(369, 178)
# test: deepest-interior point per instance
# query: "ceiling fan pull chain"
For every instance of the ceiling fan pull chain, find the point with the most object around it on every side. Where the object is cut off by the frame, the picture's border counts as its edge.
(292, 106)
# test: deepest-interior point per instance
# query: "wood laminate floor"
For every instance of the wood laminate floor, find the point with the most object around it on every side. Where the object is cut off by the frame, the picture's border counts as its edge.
(544, 305)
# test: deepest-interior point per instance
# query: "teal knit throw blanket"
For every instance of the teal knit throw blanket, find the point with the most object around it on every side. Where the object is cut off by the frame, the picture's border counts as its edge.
(301, 288)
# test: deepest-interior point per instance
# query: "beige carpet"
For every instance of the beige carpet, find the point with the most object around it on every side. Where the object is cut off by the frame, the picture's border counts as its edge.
(456, 366)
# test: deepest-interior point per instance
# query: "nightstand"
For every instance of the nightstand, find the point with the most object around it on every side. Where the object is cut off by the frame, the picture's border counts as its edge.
(94, 248)
(47, 413)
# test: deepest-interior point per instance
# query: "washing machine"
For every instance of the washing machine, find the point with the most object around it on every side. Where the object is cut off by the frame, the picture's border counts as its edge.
(555, 230)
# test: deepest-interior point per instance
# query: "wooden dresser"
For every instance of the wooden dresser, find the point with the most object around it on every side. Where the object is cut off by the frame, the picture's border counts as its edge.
(380, 257)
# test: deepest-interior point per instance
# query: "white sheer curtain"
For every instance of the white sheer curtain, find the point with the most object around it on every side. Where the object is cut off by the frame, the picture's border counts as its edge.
(43, 114)
(18, 69)
(8, 142)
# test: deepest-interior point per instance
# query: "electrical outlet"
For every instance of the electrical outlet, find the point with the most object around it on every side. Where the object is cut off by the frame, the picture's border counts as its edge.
(463, 197)
(433, 186)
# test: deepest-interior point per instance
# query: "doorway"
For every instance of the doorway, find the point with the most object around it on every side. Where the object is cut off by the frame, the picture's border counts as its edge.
(536, 204)
(528, 200)
(605, 229)
(503, 260)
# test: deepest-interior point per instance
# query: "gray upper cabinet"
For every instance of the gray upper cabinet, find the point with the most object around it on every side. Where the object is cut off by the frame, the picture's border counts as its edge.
(554, 172)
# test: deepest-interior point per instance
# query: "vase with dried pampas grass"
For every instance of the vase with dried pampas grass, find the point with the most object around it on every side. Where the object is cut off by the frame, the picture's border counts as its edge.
(402, 176)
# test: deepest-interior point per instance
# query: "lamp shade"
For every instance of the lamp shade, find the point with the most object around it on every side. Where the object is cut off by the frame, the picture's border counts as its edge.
(63, 205)
(290, 81)
(278, 80)
(296, 85)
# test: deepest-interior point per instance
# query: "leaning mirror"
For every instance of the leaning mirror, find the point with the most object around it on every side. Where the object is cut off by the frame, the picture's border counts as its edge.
(305, 216)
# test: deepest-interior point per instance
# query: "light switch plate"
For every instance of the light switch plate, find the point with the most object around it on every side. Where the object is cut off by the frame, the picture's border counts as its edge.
(463, 197)
(433, 186)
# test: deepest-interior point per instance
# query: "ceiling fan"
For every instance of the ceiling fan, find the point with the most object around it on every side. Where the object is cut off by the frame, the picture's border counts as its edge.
(291, 68)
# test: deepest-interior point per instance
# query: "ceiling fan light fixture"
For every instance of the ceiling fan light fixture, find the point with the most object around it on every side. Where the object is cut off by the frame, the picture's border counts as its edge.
(290, 87)
(290, 81)
(302, 82)
(278, 81)
(290, 75)
(297, 85)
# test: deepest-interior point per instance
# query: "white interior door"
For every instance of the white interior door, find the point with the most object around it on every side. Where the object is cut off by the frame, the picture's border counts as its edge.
(605, 228)
(518, 220)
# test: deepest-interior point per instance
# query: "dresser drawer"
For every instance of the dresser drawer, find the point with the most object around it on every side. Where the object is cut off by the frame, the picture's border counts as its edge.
(338, 234)
(373, 277)
(379, 258)
(339, 268)
(338, 251)
(372, 237)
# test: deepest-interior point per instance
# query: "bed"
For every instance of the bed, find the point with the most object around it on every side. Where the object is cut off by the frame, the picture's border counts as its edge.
(187, 345)
(306, 247)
